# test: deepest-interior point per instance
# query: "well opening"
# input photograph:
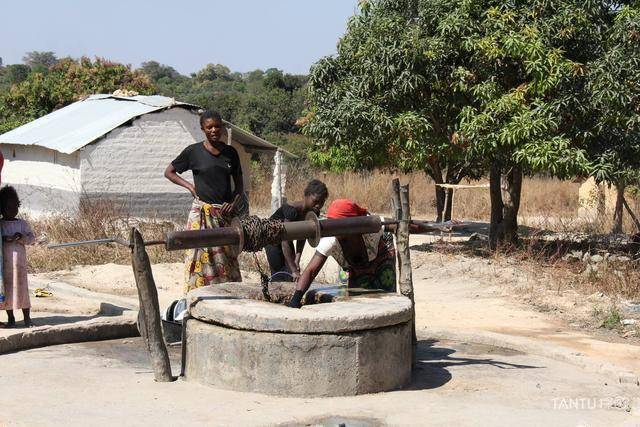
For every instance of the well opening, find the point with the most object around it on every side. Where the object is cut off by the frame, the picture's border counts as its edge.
(281, 293)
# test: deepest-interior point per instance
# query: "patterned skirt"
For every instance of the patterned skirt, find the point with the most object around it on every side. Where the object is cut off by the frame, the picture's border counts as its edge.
(379, 273)
(206, 266)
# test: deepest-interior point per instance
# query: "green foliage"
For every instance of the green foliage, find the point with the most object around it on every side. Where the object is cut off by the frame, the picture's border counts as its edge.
(613, 92)
(40, 61)
(478, 84)
(14, 74)
(525, 57)
(64, 83)
(267, 103)
(157, 71)
(392, 95)
(418, 82)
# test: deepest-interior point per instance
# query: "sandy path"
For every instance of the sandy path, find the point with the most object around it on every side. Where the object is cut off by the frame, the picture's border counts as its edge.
(455, 298)
(484, 359)
(455, 384)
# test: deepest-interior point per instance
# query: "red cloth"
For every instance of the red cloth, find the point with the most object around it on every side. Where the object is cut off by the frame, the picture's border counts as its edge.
(345, 208)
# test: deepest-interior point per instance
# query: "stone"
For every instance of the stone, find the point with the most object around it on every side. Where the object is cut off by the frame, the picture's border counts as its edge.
(353, 345)
(589, 270)
(628, 322)
(301, 365)
(214, 305)
(628, 378)
(633, 307)
(596, 297)
(101, 328)
(597, 258)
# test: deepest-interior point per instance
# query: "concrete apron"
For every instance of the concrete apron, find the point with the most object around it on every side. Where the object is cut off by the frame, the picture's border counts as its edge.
(351, 346)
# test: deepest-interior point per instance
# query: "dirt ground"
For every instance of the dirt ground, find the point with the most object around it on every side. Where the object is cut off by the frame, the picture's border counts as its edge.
(494, 349)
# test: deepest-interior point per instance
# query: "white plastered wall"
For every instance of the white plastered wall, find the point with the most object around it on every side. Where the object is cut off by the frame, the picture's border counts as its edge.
(47, 181)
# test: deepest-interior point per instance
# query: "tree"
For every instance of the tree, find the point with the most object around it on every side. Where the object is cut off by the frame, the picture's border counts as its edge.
(214, 72)
(613, 100)
(40, 61)
(15, 73)
(157, 71)
(264, 102)
(392, 95)
(462, 86)
(529, 59)
(66, 82)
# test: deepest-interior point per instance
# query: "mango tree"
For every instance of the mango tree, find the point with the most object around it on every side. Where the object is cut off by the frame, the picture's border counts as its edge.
(392, 95)
(462, 86)
(613, 93)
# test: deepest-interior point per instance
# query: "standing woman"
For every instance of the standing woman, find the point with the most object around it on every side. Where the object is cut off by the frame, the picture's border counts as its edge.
(213, 164)
(284, 262)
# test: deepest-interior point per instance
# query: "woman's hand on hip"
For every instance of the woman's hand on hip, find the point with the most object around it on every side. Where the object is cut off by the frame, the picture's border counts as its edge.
(229, 208)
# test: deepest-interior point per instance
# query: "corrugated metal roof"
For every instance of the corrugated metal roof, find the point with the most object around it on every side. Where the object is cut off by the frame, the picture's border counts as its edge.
(74, 126)
(253, 142)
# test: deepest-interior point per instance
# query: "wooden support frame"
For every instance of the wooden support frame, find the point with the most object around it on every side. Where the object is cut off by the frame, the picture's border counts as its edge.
(149, 323)
(402, 211)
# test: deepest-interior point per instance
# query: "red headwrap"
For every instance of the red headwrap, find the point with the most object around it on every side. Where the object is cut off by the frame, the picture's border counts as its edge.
(345, 208)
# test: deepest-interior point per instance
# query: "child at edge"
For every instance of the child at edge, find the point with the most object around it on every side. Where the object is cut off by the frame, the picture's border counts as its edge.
(16, 233)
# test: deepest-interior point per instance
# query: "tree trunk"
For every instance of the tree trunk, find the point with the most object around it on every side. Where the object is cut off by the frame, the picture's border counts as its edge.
(444, 197)
(436, 175)
(618, 212)
(633, 216)
(495, 193)
(511, 190)
(505, 190)
(449, 204)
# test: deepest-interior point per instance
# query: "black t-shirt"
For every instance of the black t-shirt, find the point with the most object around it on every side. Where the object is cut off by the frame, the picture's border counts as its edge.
(211, 174)
(287, 212)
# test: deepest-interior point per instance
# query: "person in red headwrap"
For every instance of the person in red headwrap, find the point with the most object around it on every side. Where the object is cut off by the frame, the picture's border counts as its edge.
(369, 258)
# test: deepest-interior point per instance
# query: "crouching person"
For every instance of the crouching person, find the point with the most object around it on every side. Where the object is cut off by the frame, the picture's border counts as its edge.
(369, 258)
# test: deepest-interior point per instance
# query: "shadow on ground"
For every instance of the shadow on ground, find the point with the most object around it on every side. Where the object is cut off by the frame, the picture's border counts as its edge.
(434, 357)
(106, 310)
(473, 240)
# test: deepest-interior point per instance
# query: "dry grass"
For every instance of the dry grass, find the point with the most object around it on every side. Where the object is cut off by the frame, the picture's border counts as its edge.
(96, 220)
(546, 203)
(548, 262)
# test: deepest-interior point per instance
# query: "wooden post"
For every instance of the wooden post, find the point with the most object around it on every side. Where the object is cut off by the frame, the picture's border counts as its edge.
(395, 199)
(149, 323)
(405, 282)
